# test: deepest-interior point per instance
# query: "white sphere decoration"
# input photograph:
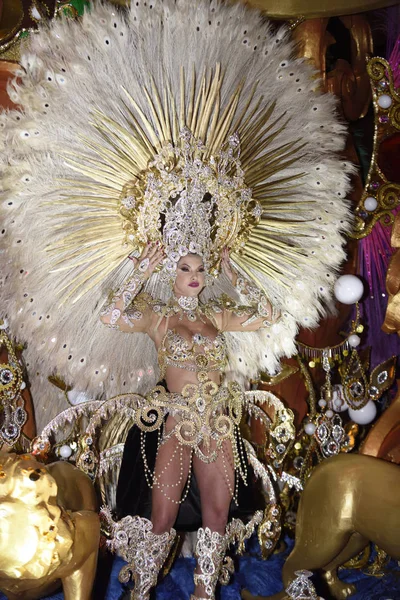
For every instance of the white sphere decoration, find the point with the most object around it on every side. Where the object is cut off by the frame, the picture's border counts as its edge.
(338, 403)
(365, 415)
(309, 428)
(65, 451)
(322, 403)
(348, 289)
(370, 203)
(384, 101)
(354, 340)
(329, 413)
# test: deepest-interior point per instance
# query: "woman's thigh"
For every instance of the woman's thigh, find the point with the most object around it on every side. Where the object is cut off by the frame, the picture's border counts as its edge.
(170, 477)
(216, 482)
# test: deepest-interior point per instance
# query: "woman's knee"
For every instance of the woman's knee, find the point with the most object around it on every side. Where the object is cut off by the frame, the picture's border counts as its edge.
(163, 518)
(215, 517)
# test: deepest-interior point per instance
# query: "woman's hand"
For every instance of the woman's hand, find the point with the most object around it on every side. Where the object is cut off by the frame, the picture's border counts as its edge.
(151, 257)
(227, 267)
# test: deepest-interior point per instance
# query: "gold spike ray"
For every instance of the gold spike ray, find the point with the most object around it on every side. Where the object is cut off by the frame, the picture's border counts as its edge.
(255, 250)
(146, 123)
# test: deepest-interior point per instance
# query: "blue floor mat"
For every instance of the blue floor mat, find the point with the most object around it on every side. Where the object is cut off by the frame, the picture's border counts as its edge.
(258, 576)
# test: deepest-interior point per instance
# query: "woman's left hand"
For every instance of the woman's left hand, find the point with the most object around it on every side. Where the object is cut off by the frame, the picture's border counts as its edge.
(227, 267)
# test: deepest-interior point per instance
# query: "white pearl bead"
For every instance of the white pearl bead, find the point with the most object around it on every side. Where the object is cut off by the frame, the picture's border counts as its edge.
(338, 403)
(65, 451)
(348, 289)
(370, 203)
(309, 428)
(354, 340)
(329, 413)
(322, 403)
(364, 415)
(384, 101)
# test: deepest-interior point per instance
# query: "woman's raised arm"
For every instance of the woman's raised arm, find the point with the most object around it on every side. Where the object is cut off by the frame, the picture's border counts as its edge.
(258, 311)
(128, 310)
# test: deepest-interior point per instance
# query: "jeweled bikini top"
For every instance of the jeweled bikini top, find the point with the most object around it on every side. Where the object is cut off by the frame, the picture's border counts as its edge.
(202, 354)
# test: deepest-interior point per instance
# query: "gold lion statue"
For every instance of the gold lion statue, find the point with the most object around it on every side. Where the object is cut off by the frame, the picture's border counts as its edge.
(49, 529)
(349, 500)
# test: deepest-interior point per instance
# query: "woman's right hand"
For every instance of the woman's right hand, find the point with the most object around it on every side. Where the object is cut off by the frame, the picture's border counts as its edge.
(151, 257)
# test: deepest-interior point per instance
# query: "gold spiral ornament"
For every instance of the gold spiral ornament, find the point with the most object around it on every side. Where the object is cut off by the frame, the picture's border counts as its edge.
(386, 103)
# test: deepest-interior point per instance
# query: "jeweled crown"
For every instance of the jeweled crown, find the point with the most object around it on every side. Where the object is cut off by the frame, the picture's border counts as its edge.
(191, 201)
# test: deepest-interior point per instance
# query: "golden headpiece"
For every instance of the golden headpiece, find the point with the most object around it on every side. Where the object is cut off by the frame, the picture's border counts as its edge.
(193, 202)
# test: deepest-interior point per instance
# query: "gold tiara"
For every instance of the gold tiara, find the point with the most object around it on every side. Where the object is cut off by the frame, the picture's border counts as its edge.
(192, 202)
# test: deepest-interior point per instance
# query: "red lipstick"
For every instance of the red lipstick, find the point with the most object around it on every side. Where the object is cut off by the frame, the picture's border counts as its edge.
(194, 284)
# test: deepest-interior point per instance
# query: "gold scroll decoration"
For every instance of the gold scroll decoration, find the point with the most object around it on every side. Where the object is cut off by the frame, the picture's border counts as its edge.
(382, 183)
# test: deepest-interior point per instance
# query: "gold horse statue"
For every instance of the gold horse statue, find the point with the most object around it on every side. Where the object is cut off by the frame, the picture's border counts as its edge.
(49, 529)
(349, 500)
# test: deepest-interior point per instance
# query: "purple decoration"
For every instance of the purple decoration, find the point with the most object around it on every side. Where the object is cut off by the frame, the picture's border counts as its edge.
(394, 57)
(393, 28)
(374, 253)
(383, 119)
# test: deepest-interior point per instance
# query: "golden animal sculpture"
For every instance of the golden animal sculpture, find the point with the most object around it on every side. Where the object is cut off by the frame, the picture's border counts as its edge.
(348, 501)
(49, 529)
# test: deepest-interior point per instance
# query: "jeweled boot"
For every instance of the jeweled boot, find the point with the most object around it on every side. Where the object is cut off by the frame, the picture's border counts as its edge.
(147, 552)
(210, 554)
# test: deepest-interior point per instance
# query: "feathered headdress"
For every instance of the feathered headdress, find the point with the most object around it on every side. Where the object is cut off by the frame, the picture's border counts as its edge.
(132, 120)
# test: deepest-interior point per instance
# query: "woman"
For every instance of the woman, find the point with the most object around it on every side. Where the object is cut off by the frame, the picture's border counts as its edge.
(200, 432)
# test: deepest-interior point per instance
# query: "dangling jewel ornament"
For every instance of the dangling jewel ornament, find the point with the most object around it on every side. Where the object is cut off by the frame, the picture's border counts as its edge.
(302, 588)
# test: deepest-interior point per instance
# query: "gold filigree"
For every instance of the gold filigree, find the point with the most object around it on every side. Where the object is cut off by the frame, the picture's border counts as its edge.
(357, 387)
(269, 530)
(282, 431)
(12, 405)
(206, 415)
(387, 122)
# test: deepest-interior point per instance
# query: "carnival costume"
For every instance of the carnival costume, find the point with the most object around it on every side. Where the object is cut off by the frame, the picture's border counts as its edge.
(185, 123)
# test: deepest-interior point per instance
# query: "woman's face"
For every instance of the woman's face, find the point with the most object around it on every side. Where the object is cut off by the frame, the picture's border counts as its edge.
(190, 276)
